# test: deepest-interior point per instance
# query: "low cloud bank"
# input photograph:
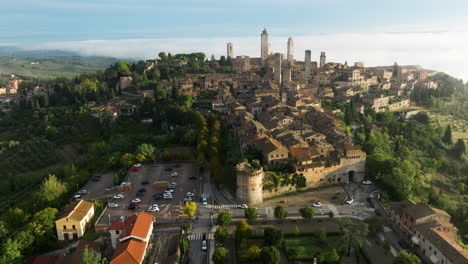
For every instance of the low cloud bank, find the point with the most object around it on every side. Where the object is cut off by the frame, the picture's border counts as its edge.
(441, 51)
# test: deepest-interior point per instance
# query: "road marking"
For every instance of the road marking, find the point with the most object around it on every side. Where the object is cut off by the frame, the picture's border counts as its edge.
(222, 206)
(387, 229)
(199, 236)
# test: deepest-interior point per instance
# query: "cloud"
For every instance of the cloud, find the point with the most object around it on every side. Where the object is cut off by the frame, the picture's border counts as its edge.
(441, 51)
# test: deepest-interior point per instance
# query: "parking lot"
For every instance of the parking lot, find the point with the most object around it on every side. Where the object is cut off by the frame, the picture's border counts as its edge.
(144, 178)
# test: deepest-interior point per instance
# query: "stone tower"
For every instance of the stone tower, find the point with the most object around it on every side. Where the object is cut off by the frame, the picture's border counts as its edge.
(323, 59)
(277, 69)
(230, 51)
(290, 49)
(264, 49)
(308, 56)
(286, 76)
(249, 183)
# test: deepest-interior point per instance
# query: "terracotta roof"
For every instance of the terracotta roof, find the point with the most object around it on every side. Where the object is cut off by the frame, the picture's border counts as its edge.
(268, 145)
(129, 252)
(136, 226)
(77, 210)
(42, 260)
(443, 241)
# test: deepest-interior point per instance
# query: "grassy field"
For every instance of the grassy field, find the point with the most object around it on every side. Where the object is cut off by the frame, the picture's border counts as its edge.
(312, 246)
(46, 67)
(459, 126)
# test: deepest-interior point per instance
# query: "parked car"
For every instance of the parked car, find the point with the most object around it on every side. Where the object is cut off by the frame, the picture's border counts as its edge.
(135, 169)
(317, 204)
(133, 206)
(119, 196)
(167, 196)
(204, 201)
(122, 218)
(138, 165)
(168, 169)
(136, 200)
(82, 192)
(174, 174)
(144, 182)
(169, 190)
(142, 190)
(350, 200)
(192, 178)
(367, 182)
(243, 206)
(157, 196)
(96, 178)
(153, 208)
(76, 196)
(188, 199)
(189, 194)
(113, 205)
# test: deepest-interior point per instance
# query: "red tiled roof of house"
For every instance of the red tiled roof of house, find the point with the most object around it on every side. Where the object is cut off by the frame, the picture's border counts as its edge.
(135, 225)
(129, 252)
(43, 260)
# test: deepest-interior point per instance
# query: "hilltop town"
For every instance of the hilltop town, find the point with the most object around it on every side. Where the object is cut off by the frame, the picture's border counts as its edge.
(155, 161)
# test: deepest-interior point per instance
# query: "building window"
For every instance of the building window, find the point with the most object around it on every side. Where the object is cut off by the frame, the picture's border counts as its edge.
(64, 227)
(73, 226)
(424, 240)
(117, 232)
(430, 247)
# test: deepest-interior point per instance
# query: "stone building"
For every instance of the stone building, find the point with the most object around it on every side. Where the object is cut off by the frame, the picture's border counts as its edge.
(278, 68)
(307, 60)
(230, 51)
(290, 56)
(323, 59)
(249, 183)
(264, 48)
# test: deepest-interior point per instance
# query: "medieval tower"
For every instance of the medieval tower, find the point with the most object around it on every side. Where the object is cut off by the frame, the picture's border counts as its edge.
(277, 68)
(307, 64)
(264, 47)
(230, 51)
(249, 183)
(290, 49)
(323, 59)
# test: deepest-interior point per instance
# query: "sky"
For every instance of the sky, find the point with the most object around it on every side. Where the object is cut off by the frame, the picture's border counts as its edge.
(430, 33)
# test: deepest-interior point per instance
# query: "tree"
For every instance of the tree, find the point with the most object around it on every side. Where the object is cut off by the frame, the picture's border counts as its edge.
(334, 256)
(127, 160)
(220, 234)
(331, 214)
(243, 232)
(307, 212)
(251, 214)
(447, 138)
(459, 149)
(272, 236)
(354, 231)
(163, 56)
(280, 212)
(224, 218)
(91, 256)
(16, 217)
(51, 189)
(253, 253)
(184, 245)
(292, 252)
(146, 150)
(375, 226)
(190, 208)
(406, 258)
(270, 255)
(220, 256)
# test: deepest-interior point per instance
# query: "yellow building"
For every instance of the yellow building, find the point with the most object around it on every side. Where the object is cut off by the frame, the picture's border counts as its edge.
(72, 223)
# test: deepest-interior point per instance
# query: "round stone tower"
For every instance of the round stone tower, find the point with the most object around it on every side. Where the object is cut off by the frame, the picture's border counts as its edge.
(249, 183)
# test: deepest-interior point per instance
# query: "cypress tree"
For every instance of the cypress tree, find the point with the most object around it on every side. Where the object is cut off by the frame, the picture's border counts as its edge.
(447, 138)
